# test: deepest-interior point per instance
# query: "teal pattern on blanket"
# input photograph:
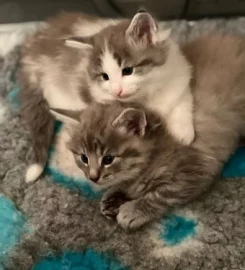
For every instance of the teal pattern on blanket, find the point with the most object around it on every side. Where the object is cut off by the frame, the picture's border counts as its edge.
(73, 184)
(235, 167)
(13, 97)
(85, 260)
(175, 229)
(12, 226)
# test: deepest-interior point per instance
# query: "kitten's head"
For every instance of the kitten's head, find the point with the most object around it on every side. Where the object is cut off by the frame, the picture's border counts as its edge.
(124, 58)
(110, 143)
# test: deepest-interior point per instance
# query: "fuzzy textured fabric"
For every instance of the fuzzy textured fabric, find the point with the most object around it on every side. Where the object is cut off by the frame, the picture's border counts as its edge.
(55, 223)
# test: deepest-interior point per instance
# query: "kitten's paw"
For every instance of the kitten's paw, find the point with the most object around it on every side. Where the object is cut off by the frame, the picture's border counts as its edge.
(183, 131)
(110, 203)
(33, 172)
(129, 217)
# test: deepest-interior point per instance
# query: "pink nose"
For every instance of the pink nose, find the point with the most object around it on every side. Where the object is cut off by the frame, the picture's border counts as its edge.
(118, 92)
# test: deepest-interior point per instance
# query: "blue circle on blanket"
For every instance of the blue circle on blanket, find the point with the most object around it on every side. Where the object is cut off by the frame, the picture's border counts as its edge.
(12, 226)
(175, 229)
(85, 260)
(235, 167)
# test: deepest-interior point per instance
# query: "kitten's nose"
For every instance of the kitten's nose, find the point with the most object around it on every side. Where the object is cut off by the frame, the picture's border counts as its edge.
(94, 178)
(93, 174)
(118, 92)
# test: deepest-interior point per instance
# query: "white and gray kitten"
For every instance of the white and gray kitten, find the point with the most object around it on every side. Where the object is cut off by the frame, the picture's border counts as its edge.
(75, 59)
(128, 147)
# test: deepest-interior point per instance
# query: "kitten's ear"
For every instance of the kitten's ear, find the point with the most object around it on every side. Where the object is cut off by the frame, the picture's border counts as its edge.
(142, 29)
(163, 34)
(66, 116)
(79, 42)
(131, 121)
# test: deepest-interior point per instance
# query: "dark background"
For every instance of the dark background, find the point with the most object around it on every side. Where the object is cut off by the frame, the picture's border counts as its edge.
(13, 11)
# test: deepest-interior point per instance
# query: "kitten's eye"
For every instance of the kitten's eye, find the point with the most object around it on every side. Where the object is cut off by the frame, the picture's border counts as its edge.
(107, 160)
(105, 76)
(127, 71)
(84, 159)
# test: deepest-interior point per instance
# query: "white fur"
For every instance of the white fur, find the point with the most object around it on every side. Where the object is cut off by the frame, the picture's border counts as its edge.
(33, 173)
(117, 83)
(174, 99)
(77, 44)
(111, 68)
(171, 81)
(57, 99)
(180, 119)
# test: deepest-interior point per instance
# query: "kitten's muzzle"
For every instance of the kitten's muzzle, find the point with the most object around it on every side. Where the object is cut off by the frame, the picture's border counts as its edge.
(122, 96)
(94, 174)
(94, 179)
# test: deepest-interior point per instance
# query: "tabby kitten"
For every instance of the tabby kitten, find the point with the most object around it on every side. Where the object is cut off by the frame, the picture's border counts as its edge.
(129, 149)
(75, 59)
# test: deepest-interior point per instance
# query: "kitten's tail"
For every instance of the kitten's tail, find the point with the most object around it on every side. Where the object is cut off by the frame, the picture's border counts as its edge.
(35, 111)
(41, 125)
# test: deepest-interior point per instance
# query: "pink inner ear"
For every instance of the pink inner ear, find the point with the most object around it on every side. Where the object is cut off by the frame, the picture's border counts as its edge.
(134, 127)
(131, 121)
(135, 124)
(145, 30)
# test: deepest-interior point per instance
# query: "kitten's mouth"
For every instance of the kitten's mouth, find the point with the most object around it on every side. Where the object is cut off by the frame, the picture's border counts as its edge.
(124, 96)
(104, 182)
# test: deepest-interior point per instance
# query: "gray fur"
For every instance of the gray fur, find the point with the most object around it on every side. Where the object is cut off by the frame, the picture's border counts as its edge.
(152, 170)
(35, 111)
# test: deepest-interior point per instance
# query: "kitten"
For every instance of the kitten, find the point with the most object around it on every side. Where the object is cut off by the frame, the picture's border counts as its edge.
(134, 61)
(75, 59)
(128, 148)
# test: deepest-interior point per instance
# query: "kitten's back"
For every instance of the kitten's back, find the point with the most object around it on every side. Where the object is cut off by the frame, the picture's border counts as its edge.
(219, 69)
(219, 91)
(45, 59)
(49, 38)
